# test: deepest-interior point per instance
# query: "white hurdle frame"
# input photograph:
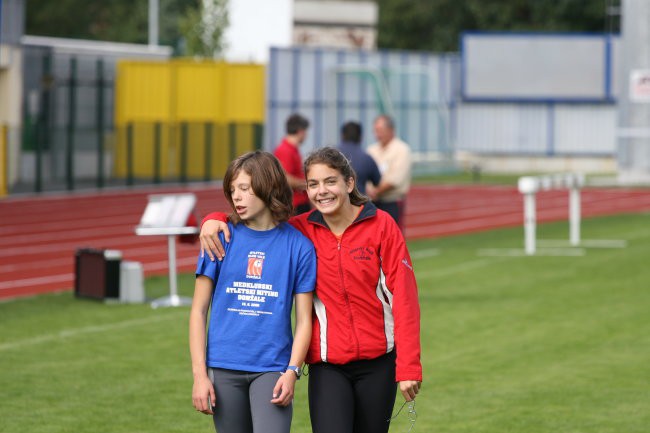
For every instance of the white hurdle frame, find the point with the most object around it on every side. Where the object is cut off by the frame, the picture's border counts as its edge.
(530, 185)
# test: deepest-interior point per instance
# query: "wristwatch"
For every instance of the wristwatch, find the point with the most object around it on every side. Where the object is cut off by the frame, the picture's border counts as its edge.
(296, 370)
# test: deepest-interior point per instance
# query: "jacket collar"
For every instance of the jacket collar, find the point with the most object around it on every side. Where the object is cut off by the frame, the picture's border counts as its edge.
(369, 210)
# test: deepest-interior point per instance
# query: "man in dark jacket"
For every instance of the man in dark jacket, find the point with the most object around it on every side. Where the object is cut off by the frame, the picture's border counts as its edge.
(362, 163)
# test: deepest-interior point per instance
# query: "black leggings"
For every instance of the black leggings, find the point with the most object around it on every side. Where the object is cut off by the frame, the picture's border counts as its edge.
(357, 397)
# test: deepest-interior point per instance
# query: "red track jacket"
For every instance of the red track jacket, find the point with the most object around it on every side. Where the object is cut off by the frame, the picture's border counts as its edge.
(366, 301)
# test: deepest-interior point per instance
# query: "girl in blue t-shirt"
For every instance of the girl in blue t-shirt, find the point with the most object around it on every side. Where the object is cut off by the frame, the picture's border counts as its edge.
(245, 366)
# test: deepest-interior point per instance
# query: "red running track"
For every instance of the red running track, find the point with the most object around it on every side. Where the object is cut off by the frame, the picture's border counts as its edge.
(39, 235)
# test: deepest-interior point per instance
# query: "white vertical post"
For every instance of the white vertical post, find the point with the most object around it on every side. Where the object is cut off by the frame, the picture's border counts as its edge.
(528, 186)
(153, 22)
(574, 215)
(530, 223)
(173, 290)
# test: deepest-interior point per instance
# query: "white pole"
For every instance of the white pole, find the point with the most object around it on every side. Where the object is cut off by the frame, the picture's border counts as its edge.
(633, 109)
(173, 291)
(574, 216)
(153, 23)
(529, 223)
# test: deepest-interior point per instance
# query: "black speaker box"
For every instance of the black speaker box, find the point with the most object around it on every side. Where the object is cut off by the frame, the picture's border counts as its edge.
(97, 273)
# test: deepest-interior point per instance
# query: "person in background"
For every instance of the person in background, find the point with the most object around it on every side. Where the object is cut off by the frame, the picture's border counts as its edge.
(245, 375)
(289, 155)
(362, 163)
(366, 328)
(393, 157)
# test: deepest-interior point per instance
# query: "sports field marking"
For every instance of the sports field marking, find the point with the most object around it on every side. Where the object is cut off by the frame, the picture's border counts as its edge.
(423, 254)
(518, 252)
(35, 265)
(5, 285)
(66, 333)
(586, 243)
(462, 267)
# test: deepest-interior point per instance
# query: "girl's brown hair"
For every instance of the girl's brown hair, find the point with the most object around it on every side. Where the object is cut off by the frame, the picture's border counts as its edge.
(334, 159)
(268, 181)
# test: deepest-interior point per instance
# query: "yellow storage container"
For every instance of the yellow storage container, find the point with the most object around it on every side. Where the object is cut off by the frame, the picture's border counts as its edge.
(206, 113)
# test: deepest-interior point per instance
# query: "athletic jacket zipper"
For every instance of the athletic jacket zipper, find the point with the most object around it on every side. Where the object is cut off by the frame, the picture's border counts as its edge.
(347, 298)
(345, 292)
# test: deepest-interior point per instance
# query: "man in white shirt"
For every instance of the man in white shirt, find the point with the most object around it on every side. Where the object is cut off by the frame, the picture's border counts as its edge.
(393, 157)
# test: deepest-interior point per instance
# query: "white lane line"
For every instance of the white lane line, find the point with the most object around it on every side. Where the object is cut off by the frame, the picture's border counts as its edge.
(586, 243)
(462, 267)
(147, 267)
(66, 333)
(35, 281)
(132, 253)
(520, 252)
(423, 254)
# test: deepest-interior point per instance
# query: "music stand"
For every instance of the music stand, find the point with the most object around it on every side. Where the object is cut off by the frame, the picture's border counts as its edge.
(166, 215)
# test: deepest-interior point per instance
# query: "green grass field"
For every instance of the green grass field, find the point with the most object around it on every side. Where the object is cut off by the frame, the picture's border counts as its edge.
(510, 344)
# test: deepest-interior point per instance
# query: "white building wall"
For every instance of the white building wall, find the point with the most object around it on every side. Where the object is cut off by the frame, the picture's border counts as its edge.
(255, 26)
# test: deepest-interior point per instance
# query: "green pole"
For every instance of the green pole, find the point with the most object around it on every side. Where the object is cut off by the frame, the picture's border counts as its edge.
(257, 133)
(37, 133)
(183, 156)
(232, 140)
(100, 123)
(156, 151)
(207, 172)
(43, 132)
(129, 154)
(48, 82)
(69, 151)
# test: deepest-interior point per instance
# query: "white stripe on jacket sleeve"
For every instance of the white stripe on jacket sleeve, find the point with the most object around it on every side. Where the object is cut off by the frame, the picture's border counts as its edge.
(321, 315)
(383, 293)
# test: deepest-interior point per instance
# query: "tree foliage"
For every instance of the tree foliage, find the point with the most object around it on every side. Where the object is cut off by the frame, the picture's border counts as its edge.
(114, 20)
(433, 25)
(436, 25)
(203, 28)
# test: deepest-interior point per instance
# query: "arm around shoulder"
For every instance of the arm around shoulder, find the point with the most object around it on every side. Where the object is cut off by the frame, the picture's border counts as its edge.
(213, 224)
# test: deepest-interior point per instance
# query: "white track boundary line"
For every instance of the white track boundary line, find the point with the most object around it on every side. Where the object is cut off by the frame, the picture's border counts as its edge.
(585, 243)
(463, 267)
(423, 254)
(66, 333)
(35, 281)
(147, 267)
(517, 252)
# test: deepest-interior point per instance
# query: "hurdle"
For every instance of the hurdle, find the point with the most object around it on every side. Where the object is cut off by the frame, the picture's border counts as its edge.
(530, 185)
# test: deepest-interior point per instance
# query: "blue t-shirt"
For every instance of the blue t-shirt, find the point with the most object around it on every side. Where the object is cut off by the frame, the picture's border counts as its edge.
(250, 318)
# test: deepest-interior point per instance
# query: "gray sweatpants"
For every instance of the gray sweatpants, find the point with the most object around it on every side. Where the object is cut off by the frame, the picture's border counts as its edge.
(243, 403)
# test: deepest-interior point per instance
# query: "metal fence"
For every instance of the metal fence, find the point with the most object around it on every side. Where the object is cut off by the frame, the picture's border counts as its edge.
(67, 119)
(70, 138)
(75, 135)
(331, 86)
(182, 152)
(423, 92)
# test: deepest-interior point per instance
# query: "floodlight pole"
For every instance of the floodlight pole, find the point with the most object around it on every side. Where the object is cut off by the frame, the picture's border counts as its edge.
(634, 103)
(153, 22)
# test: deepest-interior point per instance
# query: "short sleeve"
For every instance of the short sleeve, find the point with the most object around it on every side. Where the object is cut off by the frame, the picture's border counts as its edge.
(207, 267)
(306, 272)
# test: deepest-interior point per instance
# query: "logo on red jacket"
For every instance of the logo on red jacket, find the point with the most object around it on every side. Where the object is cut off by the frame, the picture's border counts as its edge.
(362, 253)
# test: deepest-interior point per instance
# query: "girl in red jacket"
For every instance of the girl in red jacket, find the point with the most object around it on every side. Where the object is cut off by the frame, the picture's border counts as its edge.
(366, 324)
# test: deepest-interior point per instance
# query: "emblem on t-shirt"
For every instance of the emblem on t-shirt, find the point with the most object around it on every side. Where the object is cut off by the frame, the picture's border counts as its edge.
(255, 264)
